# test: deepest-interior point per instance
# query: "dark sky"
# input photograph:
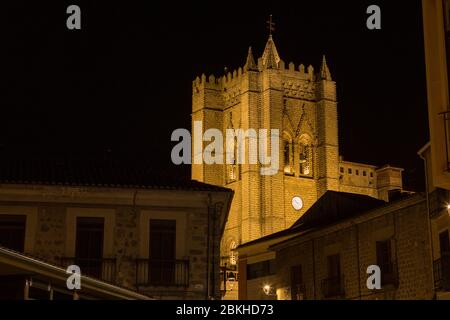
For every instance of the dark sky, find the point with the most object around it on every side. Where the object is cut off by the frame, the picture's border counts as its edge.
(119, 86)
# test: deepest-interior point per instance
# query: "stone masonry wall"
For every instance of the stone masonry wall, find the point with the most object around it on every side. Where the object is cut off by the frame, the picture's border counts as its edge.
(406, 227)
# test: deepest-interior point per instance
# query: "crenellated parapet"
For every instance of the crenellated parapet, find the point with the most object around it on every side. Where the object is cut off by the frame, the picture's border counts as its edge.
(298, 82)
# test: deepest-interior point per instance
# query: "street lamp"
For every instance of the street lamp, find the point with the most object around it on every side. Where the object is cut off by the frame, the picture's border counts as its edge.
(267, 288)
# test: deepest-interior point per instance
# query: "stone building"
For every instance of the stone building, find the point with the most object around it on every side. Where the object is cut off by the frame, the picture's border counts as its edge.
(369, 180)
(408, 238)
(436, 153)
(301, 103)
(327, 252)
(155, 236)
(436, 27)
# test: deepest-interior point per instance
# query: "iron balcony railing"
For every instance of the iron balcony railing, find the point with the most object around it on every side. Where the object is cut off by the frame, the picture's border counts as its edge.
(100, 268)
(298, 292)
(333, 287)
(442, 272)
(158, 272)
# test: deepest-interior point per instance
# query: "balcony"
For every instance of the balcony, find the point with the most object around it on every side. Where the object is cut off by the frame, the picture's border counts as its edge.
(298, 292)
(157, 272)
(389, 274)
(442, 273)
(101, 268)
(333, 287)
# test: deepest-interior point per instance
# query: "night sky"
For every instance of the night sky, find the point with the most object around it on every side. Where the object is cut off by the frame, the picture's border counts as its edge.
(118, 87)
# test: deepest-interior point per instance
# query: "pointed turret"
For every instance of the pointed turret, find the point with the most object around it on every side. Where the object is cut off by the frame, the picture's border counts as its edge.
(324, 71)
(270, 58)
(250, 62)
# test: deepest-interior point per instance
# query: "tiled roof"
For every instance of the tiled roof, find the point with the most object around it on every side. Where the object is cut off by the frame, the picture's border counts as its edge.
(330, 208)
(95, 173)
(334, 207)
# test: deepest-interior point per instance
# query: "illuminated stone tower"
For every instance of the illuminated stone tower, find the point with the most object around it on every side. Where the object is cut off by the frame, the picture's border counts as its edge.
(267, 94)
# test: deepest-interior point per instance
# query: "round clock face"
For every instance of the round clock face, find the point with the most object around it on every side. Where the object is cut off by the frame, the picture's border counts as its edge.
(297, 203)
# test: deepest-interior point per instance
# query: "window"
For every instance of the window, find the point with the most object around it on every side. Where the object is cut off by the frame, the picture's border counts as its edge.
(341, 170)
(232, 172)
(357, 172)
(333, 286)
(334, 266)
(444, 242)
(364, 173)
(233, 254)
(371, 174)
(162, 251)
(383, 253)
(305, 159)
(349, 170)
(12, 232)
(89, 245)
(260, 269)
(297, 289)
(233, 167)
(442, 270)
(384, 261)
(287, 157)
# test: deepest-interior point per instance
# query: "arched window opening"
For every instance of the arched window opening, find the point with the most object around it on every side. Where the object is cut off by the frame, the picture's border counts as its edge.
(305, 160)
(287, 152)
(233, 168)
(233, 254)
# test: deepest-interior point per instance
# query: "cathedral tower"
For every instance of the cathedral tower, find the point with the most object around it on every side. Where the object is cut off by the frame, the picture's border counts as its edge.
(266, 94)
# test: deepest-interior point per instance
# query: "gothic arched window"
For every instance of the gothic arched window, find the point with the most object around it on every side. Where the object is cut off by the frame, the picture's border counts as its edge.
(287, 156)
(305, 160)
(233, 254)
(233, 168)
(305, 157)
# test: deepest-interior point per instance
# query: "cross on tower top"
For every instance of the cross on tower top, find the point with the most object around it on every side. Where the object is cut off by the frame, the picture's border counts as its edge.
(270, 25)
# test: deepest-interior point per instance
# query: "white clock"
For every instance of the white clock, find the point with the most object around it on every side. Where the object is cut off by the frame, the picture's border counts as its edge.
(297, 203)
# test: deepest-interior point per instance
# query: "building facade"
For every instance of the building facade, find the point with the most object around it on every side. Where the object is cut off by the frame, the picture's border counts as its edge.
(436, 27)
(160, 240)
(328, 253)
(301, 103)
(333, 262)
(436, 153)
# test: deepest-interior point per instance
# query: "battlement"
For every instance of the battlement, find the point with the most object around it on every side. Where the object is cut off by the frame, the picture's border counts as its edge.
(213, 82)
(270, 60)
(233, 78)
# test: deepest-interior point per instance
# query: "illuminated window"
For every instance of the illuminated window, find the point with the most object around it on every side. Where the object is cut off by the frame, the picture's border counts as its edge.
(233, 254)
(232, 173)
(233, 168)
(287, 156)
(305, 159)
